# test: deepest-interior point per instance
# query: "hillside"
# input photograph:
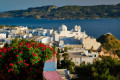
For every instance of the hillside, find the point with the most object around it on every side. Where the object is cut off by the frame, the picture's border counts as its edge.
(67, 12)
(110, 43)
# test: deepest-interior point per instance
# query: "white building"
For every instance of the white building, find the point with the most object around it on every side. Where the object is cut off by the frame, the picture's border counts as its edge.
(68, 41)
(89, 42)
(8, 40)
(45, 32)
(1, 44)
(63, 32)
(79, 57)
(43, 39)
(2, 35)
(18, 30)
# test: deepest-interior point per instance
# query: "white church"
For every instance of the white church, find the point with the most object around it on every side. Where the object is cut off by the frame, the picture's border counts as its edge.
(74, 37)
(64, 33)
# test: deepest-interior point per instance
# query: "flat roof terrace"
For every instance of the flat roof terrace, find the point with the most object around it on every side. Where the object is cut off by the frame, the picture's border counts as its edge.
(70, 41)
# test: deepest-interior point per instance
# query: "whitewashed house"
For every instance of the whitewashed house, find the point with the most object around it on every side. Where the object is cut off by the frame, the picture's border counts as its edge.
(15, 30)
(43, 39)
(89, 42)
(2, 35)
(80, 57)
(63, 32)
(8, 40)
(45, 32)
(1, 44)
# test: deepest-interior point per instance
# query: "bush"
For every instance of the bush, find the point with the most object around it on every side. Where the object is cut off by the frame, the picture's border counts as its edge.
(24, 60)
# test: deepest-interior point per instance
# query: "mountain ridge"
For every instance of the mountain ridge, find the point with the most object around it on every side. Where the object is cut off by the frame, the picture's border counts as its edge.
(66, 12)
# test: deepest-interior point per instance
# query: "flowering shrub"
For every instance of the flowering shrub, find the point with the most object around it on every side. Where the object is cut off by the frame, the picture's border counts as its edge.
(24, 61)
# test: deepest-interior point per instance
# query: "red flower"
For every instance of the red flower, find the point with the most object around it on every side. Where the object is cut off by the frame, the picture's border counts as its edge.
(17, 55)
(23, 60)
(34, 54)
(8, 71)
(18, 62)
(11, 64)
(0, 51)
(51, 49)
(27, 64)
(0, 56)
(43, 48)
(21, 52)
(11, 70)
(54, 53)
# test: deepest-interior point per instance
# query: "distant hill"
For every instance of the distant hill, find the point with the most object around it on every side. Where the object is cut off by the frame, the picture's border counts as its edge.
(67, 12)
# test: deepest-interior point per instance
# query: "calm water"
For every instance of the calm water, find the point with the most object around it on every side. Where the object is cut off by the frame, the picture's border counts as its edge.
(93, 27)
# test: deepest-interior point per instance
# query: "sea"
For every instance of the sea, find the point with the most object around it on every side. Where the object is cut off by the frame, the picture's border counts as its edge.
(93, 27)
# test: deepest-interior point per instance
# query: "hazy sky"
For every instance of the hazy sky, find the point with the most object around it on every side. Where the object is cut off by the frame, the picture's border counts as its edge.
(6, 5)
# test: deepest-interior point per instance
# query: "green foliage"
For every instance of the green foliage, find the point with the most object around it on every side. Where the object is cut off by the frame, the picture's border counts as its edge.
(110, 43)
(66, 56)
(106, 69)
(67, 64)
(118, 52)
(6, 45)
(65, 49)
(14, 42)
(58, 57)
(54, 47)
(23, 60)
(67, 12)
(58, 51)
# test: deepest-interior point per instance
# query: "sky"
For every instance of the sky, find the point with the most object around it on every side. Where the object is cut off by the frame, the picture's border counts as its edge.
(6, 5)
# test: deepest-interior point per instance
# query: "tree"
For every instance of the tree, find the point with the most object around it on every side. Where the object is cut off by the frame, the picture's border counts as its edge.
(67, 64)
(14, 42)
(118, 52)
(65, 49)
(6, 45)
(58, 51)
(66, 56)
(106, 69)
(54, 47)
(58, 57)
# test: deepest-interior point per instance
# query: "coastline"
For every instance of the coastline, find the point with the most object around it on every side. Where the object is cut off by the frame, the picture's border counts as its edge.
(61, 18)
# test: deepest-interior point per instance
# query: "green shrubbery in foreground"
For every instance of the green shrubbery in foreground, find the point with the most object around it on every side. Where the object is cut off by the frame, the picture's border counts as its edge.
(23, 60)
(106, 69)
